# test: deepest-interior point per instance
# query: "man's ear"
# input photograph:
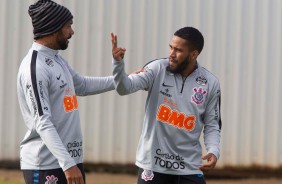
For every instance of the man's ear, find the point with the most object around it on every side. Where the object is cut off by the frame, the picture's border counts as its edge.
(195, 54)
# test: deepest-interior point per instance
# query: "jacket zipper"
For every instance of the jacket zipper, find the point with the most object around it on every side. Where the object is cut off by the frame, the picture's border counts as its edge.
(183, 82)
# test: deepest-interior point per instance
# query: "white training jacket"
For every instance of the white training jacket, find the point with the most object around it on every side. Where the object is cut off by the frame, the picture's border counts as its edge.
(176, 111)
(47, 89)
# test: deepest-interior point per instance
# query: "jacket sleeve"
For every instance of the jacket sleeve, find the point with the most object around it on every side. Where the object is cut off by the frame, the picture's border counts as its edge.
(212, 122)
(88, 85)
(125, 84)
(37, 99)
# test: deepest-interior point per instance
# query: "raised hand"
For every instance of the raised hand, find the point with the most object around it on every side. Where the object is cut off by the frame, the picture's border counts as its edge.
(117, 52)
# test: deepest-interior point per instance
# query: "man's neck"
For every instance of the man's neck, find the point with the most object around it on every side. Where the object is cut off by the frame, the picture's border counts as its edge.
(189, 69)
(47, 43)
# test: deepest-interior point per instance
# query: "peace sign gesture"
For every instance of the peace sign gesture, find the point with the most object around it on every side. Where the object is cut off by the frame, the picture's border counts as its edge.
(117, 52)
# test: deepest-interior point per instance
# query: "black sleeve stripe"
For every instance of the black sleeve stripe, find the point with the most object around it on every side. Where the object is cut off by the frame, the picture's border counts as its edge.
(220, 122)
(34, 83)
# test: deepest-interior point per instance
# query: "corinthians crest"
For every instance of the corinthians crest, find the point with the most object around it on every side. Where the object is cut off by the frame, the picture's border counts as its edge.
(198, 97)
(51, 179)
(147, 175)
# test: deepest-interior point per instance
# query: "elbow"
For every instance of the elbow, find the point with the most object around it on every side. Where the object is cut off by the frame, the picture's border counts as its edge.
(122, 93)
(122, 90)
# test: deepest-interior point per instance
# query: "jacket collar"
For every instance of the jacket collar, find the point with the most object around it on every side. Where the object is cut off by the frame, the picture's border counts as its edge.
(44, 50)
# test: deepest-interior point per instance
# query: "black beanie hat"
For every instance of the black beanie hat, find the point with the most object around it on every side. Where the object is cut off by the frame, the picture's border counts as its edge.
(48, 17)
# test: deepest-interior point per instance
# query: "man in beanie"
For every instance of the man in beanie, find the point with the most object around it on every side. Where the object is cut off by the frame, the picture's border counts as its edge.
(52, 149)
(183, 100)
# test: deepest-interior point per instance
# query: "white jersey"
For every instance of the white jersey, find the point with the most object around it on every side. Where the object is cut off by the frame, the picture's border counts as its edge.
(177, 110)
(47, 89)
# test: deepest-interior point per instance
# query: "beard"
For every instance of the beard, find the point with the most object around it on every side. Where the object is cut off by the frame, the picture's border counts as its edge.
(62, 42)
(180, 67)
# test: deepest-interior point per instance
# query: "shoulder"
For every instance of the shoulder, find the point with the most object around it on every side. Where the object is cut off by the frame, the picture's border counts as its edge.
(38, 59)
(156, 62)
(206, 78)
(206, 75)
(39, 64)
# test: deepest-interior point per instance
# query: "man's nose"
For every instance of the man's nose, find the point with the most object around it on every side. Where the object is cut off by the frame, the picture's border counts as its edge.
(72, 32)
(172, 53)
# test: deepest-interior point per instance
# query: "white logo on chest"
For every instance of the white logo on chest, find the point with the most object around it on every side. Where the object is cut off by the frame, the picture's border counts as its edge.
(198, 96)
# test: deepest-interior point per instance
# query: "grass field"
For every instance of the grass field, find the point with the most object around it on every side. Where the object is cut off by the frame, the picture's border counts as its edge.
(10, 182)
(15, 177)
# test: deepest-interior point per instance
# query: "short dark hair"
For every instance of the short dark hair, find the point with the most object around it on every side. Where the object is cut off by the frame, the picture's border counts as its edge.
(193, 36)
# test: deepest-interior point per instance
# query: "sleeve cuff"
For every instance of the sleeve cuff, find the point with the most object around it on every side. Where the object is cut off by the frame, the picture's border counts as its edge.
(115, 62)
(215, 152)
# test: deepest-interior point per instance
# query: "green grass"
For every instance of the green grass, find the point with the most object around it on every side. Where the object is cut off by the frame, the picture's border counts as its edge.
(10, 182)
(16, 181)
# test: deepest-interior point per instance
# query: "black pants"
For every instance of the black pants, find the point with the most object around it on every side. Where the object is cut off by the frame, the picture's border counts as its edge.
(150, 177)
(48, 176)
